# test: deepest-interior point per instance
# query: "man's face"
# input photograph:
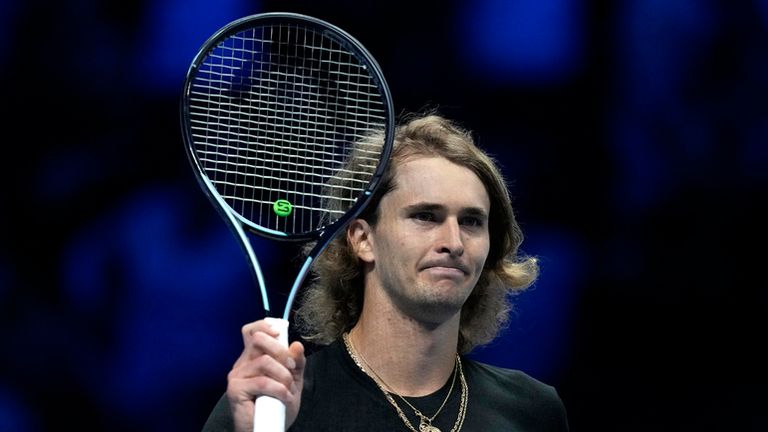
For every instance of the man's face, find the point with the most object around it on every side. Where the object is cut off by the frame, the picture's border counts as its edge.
(429, 246)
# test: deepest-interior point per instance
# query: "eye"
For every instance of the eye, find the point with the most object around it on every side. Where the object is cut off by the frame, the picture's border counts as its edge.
(471, 221)
(424, 216)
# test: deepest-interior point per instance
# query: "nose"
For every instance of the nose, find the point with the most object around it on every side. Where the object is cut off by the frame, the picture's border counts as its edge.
(450, 240)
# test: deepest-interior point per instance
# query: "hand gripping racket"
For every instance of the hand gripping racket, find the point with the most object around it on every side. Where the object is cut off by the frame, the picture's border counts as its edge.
(288, 125)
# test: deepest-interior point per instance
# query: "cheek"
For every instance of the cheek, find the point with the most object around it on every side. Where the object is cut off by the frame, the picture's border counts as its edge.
(483, 249)
(397, 239)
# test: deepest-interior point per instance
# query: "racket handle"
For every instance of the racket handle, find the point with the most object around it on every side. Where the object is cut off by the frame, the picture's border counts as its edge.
(268, 412)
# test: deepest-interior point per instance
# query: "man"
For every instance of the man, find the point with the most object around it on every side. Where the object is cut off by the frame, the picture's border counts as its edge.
(418, 280)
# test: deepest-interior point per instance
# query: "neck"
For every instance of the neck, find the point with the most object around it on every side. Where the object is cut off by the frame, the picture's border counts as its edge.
(411, 357)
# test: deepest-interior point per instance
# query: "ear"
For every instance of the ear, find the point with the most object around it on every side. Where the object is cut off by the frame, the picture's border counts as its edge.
(360, 239)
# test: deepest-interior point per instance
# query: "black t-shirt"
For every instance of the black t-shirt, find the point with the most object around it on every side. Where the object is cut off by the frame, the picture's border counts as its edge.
(338, 396)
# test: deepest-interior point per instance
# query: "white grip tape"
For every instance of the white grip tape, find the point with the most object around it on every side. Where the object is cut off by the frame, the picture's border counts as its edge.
(269, 413)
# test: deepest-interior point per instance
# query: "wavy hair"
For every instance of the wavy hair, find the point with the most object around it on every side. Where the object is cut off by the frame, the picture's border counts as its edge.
(332, 303)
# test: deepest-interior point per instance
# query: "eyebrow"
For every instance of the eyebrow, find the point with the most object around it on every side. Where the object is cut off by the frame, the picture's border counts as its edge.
(427, 206)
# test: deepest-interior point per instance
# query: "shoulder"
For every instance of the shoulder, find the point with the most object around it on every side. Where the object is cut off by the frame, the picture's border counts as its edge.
(512, 379)
(326, 371)
(525, 401)
(322, 360)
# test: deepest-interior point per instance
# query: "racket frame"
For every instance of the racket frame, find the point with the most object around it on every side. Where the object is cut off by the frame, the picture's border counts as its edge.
(239, 224)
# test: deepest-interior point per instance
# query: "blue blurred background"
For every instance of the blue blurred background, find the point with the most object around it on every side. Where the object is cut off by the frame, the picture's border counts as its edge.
(634, 135)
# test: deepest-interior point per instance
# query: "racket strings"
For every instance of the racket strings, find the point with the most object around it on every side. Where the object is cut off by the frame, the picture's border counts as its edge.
(286, 113)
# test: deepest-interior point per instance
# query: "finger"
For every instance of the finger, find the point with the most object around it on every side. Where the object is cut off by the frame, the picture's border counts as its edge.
(261, 343)
(296, 352)
(258, 336)
(263, 366)
(242, 390)
(257, 326)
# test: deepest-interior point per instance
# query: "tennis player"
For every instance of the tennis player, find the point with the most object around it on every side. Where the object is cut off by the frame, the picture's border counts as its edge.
(423, 276)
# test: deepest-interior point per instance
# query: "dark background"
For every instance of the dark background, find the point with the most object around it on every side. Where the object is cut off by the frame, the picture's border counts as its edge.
(633, 133)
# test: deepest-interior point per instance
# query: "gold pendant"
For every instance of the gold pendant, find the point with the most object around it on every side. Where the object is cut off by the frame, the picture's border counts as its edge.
(425, 427)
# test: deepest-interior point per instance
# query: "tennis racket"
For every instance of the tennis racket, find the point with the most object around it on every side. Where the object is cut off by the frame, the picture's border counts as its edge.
(288, 125)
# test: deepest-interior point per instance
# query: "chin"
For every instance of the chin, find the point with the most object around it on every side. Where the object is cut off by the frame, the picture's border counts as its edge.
(438, 311)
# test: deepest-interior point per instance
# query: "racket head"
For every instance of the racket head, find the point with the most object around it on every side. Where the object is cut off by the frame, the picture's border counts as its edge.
(275, 107)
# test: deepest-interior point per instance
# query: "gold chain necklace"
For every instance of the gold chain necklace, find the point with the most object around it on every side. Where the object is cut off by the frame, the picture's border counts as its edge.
(425, 423)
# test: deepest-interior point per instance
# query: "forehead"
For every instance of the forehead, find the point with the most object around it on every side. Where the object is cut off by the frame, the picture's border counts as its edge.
(437, 180)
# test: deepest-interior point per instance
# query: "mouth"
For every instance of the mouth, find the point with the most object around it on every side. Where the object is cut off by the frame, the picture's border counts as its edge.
(451, 273)
(454, 269)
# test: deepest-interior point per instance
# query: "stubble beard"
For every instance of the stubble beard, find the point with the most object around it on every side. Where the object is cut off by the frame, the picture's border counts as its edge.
(428, 303)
